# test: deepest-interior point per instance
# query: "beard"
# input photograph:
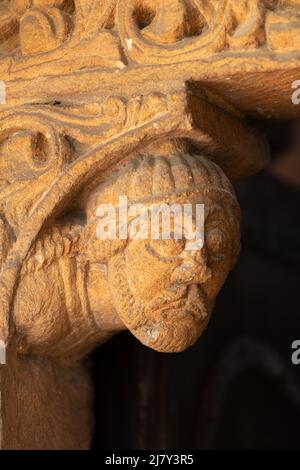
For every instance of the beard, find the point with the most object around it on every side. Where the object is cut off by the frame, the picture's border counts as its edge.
(171, 322)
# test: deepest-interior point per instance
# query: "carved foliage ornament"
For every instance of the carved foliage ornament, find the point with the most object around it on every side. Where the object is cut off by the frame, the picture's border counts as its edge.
(115, 33)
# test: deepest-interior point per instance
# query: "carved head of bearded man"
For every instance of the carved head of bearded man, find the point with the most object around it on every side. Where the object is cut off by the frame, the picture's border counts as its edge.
(163, 290)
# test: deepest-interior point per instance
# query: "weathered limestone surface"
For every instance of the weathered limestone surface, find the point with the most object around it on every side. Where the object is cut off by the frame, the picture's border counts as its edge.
(104, 98)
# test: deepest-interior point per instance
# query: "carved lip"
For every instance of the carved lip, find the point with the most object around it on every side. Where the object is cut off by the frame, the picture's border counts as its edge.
(173, 295)
(190, 302)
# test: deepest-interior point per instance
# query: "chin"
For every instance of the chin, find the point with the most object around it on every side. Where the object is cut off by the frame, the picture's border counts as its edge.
(172, 331)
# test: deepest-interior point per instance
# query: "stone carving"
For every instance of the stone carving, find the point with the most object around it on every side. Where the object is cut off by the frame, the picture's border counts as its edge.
(159, 290)
(50, 156)
(147, 30)
(147, 98)
(46, 44)
(163, 292)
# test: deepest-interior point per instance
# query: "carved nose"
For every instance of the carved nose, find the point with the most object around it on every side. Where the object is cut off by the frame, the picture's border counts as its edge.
(191, 272)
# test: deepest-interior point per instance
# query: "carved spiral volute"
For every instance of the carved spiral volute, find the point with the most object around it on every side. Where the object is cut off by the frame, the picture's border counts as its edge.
(32, 156)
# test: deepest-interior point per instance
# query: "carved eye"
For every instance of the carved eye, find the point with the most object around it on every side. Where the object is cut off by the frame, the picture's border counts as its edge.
(167, 248)
(215, 242)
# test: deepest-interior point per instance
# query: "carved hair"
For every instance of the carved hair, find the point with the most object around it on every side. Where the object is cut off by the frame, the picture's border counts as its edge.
(150, 180)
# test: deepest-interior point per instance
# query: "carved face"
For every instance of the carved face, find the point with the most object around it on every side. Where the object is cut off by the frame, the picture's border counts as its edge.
(163, 292)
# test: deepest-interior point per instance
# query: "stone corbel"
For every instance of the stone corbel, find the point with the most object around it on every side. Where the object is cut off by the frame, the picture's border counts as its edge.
(147, 99)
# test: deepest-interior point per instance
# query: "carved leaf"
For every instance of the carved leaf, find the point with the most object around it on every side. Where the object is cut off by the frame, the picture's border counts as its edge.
(168, 24)
(42, 30)
(283, 29)
(249, 16)
(8, 28)
(93, 15)
(211, 21)
(216, 26)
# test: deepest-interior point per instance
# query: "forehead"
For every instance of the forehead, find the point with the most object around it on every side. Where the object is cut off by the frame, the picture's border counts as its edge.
(163, 215)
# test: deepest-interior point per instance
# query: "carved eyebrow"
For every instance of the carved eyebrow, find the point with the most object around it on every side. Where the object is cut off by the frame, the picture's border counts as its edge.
(168, 259)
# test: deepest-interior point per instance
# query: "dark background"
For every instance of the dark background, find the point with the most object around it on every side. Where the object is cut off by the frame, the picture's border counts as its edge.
(237, 387)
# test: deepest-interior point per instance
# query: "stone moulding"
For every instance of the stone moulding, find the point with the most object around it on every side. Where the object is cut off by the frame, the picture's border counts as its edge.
(105, 91)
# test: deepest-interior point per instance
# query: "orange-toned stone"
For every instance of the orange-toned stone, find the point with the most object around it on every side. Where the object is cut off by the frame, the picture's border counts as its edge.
(149, 99)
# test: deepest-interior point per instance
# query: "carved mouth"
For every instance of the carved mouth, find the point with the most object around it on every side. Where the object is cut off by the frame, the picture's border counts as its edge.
(175, 325)
(172, 296)
(189, 303)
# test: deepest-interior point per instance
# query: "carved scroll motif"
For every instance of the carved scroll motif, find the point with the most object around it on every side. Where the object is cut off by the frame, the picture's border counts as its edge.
(48, 31)
(102, 34)
(215, 26)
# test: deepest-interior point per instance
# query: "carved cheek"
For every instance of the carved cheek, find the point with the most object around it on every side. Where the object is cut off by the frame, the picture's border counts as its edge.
(220, 267)
(147, 274)
(220, 271)
(218, 249)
